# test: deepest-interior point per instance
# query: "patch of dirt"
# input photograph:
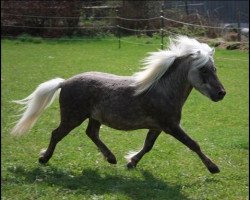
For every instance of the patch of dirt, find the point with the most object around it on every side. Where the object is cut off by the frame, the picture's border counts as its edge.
(223, 44)
(234, 45)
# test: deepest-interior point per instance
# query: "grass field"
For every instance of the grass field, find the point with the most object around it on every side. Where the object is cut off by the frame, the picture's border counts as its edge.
(78, 171)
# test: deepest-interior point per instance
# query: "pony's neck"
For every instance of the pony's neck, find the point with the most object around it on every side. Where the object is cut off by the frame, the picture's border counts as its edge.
(175, 84)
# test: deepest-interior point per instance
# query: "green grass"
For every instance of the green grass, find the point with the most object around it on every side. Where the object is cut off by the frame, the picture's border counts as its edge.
(78, 171)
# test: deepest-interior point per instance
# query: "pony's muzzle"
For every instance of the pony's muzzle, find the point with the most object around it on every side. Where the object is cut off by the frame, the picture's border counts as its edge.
(218, 95)
(221, 94)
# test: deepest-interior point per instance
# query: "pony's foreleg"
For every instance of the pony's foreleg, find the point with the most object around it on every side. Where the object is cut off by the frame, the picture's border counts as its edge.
(180, 135)
(93, 133)
(134, 158)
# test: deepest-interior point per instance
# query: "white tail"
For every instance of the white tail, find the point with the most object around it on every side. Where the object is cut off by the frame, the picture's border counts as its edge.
(35, 104)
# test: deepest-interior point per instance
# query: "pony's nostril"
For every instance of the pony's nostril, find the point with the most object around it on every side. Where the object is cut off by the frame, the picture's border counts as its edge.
(222, 93)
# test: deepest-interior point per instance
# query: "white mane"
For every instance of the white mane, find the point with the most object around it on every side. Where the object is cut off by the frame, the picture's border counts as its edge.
(157, 63)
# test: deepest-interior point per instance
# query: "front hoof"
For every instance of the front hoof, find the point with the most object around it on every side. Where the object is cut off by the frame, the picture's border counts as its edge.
(131, 165)
(214, 169)
(111, 159)
(42, 160)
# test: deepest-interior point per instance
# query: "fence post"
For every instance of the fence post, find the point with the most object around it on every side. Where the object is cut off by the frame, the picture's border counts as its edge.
(238, 21)
(162, 26)
(118, 30)
(119, 36)
(186, 7)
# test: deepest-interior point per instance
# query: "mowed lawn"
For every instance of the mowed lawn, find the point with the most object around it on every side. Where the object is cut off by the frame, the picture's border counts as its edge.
(77, 169)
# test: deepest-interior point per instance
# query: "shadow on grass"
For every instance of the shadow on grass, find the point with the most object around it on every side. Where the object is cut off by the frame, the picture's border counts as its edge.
(90, 182)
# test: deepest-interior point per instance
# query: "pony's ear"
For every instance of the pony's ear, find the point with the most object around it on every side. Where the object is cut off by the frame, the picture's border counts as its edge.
(213, 51)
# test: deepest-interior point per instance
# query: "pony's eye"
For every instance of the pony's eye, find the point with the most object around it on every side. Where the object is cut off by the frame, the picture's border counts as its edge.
(203, 70)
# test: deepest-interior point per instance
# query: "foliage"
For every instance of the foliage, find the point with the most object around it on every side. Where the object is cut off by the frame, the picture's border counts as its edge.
(87, 18)
(78, 171)
(50, 12)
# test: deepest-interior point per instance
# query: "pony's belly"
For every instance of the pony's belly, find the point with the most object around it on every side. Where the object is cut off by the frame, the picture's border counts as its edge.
(127, 125)
(124, 121)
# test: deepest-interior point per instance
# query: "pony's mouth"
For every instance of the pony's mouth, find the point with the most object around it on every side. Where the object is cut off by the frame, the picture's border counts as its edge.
(218, 96)
(215, 99)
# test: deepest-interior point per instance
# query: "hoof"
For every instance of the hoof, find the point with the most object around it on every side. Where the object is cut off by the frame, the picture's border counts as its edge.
(214, 169)
(131, 165)
(111, 159)
(42, 160)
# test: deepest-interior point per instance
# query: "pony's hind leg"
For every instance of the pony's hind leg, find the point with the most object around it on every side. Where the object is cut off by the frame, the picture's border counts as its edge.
(93, 133)
(69, 121)
(56, 136)
(134, 158)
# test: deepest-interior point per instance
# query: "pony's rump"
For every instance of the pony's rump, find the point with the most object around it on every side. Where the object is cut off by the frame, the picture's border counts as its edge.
(35, 103)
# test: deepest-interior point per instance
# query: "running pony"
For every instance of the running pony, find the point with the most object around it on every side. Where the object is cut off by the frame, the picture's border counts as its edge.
(149, 99)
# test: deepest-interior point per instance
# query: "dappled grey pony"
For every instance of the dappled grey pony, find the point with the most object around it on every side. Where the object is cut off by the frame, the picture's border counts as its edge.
(150, 99)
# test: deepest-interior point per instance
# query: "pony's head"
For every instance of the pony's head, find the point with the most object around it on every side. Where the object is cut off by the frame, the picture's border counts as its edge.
(201, 69)
(202, 73)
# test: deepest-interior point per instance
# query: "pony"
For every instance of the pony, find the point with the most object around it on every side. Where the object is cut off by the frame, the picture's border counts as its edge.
(149, 99)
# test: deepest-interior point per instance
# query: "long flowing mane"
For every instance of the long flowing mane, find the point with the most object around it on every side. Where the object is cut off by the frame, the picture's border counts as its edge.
(157, 63)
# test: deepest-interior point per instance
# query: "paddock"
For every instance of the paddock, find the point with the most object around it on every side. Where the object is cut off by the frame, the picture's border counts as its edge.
(77, 170)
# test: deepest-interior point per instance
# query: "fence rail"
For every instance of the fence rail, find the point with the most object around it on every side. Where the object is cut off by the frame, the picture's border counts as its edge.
(59, 27)
(118, 27)
(121, 18)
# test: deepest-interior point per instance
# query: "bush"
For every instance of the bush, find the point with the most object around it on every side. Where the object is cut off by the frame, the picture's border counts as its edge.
(16, 14)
